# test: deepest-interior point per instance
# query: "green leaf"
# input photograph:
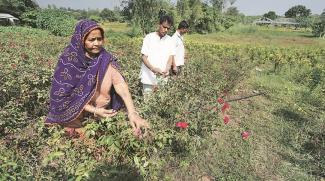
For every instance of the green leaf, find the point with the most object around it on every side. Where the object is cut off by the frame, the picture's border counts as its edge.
(52, 156)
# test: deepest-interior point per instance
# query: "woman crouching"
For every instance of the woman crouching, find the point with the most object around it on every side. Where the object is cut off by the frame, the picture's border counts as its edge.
(87, 79)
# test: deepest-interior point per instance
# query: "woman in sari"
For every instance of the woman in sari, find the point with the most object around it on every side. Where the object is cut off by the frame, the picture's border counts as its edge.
(87, 80)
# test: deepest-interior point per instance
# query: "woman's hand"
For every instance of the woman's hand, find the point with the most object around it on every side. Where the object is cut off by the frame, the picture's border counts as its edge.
(139, 125)
(105, 113)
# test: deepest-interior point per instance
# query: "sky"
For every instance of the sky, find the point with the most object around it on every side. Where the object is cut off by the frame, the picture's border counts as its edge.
(259, 7)
(247, 7)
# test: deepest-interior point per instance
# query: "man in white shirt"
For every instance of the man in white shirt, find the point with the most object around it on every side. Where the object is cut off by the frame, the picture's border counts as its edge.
(179, 58)
(157, 54)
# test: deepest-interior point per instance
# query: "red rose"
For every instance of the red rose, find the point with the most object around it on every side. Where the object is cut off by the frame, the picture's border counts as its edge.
(225, 107)
(220, 100)
(226, 119)
(182, 125)
(245, 135)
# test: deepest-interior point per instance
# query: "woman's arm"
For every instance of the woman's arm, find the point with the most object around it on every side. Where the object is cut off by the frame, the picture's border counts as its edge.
(122, 90)
(135, 120)
(102, 112)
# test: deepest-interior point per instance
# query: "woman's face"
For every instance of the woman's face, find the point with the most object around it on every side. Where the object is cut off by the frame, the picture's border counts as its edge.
(94, 42)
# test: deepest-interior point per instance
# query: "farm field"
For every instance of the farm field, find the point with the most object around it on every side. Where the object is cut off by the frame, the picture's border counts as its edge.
(254, 35)
(254, 99)
(243, 34)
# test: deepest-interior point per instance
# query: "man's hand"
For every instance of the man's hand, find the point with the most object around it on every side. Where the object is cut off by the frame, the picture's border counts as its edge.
(166, 72)
(175, 70)
(157, 71)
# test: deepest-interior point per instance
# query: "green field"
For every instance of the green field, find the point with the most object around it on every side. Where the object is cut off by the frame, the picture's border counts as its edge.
(116, 27)
(243, 34)
(265, 36)
(285, 121)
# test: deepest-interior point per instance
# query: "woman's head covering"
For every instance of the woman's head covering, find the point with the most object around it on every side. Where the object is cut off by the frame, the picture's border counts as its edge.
(76, 77)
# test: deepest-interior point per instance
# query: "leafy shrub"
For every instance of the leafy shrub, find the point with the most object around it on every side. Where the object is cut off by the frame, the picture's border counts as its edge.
(95, 18)
(319, 26)
(319, 29)
(24, 86)
(58, 22)
(30, 18)
(135, 31)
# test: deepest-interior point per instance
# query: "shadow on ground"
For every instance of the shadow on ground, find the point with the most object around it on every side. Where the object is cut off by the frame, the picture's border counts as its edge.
(291, 116)
(311, 142)
(116, 173)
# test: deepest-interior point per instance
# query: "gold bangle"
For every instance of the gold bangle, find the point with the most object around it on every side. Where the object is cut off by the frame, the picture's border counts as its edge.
(134, 112)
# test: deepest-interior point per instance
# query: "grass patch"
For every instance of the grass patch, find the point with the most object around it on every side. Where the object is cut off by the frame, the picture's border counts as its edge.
(254, 35)
(116, 27)
(295, 126)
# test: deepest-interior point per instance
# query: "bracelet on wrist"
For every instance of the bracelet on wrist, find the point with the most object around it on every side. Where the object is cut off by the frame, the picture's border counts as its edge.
(134, 112)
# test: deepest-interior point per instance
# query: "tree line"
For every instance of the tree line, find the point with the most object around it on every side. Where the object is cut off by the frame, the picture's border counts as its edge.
(204, 16)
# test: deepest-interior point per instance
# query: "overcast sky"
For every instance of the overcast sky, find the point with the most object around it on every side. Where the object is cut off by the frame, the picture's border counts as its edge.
(248, 7)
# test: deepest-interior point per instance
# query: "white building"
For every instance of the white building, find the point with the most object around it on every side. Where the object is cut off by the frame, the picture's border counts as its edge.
(7, 19)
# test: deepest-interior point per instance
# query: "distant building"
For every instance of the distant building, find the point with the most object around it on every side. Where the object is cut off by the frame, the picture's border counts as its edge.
(7, 19)
(276, 22)
(263, 21)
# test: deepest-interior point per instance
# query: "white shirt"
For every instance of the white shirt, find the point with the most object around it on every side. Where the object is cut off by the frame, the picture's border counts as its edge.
(179, 48)
(158, 51)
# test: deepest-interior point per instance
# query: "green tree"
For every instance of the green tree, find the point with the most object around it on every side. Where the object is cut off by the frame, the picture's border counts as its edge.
(218, 7)
(196, 9)
(221, 5)
(57, 21)
(306, 22)
(145, 13)
(51, 6)
(232, 11)
(319, 26)
(17, 7)
(93, 12)
(297, 11)
(271, 15)
(107, 14)
(183, 9)
(95, 18)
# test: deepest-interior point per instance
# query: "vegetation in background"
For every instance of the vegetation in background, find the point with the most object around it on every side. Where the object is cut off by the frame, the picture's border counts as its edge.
(204, 16)
(145, 13)
(232, 11)
(270, 15)
(111, 15)
(58, 22)
(17, 7)
(297, 11)
(319, 26)
(260, 35)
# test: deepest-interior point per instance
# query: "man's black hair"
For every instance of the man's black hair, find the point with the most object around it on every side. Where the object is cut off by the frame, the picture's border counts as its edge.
(183, 25)
(166, 18)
